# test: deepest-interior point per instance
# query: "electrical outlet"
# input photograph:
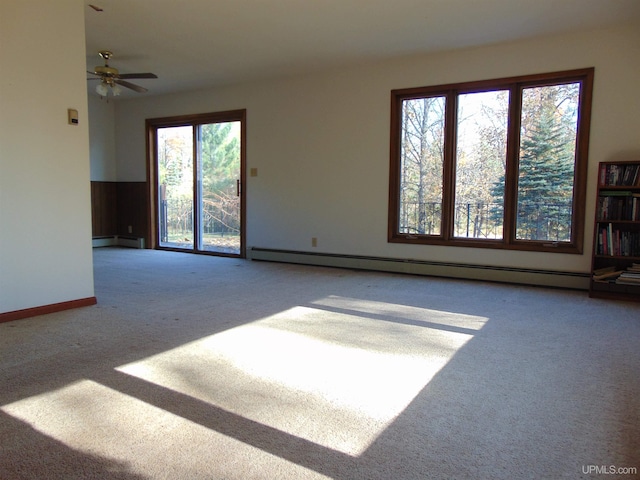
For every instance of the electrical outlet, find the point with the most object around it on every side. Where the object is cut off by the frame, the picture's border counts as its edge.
(314, 242)
(130, 229)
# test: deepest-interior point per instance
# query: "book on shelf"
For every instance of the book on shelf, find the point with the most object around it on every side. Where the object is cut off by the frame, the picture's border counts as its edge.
(630, 276)
(619, 175)
(607, 277)
(614, 274)
(624, 205)
(624, 280)
(603, 270)
(617, 242)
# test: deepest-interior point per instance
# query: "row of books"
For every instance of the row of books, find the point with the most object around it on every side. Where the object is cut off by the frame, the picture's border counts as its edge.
(616, 242)
(619, 175)
(618, 205)
(629, 276)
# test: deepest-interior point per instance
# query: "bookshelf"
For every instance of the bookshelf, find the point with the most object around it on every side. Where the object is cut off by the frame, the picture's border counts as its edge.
(615, 267)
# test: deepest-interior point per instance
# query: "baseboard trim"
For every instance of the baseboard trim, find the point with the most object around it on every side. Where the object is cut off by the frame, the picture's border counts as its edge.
(45, 309)
(524, 276)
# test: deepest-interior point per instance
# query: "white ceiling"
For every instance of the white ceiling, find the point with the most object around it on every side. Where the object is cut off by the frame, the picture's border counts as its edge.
(193, 44)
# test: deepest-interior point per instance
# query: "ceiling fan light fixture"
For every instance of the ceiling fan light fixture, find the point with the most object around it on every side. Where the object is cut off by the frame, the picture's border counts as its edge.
(115, 89)
(102, 89)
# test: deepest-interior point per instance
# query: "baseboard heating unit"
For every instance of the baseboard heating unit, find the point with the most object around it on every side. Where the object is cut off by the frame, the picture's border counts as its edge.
(525, 276)
(119, 241)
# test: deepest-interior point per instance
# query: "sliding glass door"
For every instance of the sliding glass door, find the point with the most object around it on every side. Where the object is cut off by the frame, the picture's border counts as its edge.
(218, 181)
(199, 174)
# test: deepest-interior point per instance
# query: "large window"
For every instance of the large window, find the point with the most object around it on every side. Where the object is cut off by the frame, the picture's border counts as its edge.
(499, 163)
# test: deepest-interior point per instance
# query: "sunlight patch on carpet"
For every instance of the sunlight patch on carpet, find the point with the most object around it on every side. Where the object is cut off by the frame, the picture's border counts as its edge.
(398, 312)
(89, 417)
(335, 377)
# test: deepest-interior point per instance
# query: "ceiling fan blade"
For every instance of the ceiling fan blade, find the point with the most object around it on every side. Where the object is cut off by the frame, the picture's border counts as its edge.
(132, 86)
(137, 75)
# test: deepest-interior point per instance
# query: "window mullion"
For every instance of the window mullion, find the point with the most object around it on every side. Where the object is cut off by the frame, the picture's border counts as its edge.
(511, 173)
(448, 174)
(197, 202)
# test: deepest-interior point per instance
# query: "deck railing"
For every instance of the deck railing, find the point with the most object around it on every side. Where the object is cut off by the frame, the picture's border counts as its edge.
(535, 221)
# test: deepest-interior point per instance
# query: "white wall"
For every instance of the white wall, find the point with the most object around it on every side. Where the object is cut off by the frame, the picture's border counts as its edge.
(321, 142)
(102, 140)
(45, 216)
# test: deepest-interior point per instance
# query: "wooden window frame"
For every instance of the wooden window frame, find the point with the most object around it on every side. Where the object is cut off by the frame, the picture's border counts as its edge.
(515, 85)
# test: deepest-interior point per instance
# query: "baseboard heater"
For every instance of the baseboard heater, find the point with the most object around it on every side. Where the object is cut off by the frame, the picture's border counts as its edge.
(118, 241)
(525, 276)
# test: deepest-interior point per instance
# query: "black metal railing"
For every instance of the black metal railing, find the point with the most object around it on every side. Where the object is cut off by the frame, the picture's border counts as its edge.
(535, 221)
(176, 218)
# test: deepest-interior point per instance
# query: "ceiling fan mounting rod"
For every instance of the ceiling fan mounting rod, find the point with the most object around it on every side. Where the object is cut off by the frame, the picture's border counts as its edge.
(106, 70)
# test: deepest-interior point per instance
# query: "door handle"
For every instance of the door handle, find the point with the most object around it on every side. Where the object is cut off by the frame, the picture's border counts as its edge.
(237, 188)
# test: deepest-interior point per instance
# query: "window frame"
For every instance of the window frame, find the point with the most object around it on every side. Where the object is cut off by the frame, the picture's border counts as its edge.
(515, 86)
(152, 125)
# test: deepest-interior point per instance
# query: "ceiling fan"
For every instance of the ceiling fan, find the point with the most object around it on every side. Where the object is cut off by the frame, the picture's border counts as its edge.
(110, 78)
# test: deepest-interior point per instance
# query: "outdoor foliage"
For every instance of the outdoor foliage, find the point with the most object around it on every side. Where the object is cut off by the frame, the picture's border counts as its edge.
(220, 154)
(218, 164)
(422, 161)
(547, 157)
(545, 166)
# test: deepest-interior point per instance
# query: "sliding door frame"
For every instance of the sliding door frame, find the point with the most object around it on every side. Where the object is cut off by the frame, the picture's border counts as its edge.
(152, 125)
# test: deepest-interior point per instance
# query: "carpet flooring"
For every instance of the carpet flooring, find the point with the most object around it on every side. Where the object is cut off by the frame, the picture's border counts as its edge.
(199, 367)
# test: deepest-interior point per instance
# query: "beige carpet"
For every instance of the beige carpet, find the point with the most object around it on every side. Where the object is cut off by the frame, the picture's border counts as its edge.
(197, 367)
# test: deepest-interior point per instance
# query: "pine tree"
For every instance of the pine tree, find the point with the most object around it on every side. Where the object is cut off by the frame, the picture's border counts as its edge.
(546, 163)
(220, 162)
(545, 180)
